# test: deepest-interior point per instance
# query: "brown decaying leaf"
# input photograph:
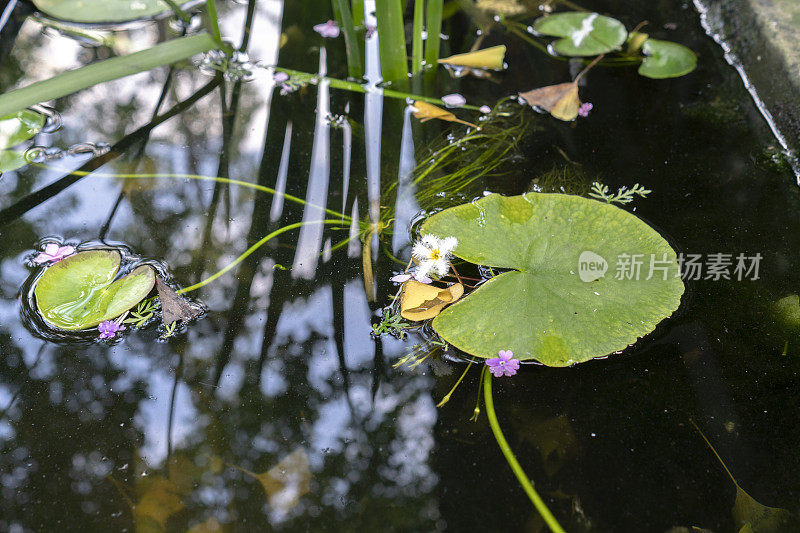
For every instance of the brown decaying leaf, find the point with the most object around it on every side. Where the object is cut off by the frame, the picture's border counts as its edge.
(421, 302)
(559, 100)
(160, 501)
(287, 481)
(173, 306)
(425, 112)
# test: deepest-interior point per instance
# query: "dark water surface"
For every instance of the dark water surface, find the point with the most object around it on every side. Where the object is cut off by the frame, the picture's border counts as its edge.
(283, 360)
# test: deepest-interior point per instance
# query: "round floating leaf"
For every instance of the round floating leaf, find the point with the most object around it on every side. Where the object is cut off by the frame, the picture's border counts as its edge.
(96, 11)
(79, 292)
(665, 59)
(19, 126)
(543, 309)
(584, 34)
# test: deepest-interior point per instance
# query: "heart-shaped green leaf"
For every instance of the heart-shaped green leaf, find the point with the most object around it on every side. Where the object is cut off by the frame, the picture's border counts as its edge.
(19, 126)
(79, 292)
(665, 59)
(95, 11)
(584, 34)
(543, 310)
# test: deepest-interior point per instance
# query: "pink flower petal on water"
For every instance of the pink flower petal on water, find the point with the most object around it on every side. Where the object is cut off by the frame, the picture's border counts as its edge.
(454, 100)
(485, 109)
(505, 355)
(400, 278)
(584, 109)
(329, 30)
(51, 249)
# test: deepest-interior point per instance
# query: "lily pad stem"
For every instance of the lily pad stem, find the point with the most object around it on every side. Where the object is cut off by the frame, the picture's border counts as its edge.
(527, 486)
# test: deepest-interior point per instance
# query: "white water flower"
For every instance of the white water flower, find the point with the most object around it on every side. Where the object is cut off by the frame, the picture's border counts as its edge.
(433, 255)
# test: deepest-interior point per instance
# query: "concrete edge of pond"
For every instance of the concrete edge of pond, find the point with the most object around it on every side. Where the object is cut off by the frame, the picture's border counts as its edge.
(760, 38)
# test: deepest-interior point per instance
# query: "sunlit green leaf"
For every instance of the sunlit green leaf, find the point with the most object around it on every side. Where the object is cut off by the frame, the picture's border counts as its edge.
(584, 34)
(94, 11)
(542, 309)
(19, 126)
(114, 68)
(12, 160)
(79, 292)
(665, 59)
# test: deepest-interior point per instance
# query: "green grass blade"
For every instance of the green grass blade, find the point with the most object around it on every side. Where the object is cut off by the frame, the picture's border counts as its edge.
(392, 40)
(107, 70)
(345, 20)
(358, 12)
(433, 26)
(416, 42)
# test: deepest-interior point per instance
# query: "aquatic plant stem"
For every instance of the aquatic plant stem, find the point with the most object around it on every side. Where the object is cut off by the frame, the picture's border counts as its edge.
(180, 13)
(200, 177)
(252, 249)
(355, 87)
(416, 37)
(433, 25)
(213, 26)
(341, 9)
(527, 486)
(447, 396)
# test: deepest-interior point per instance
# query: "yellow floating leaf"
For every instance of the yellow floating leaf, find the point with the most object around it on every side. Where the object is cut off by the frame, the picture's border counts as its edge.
(160, 500)
(425, 111)
(211, 525)
(489, 58)
(559, 100)
(288, 481)
(421, 301)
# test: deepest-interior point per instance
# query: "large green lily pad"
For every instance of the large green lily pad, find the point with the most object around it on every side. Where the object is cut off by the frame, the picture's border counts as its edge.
(584, 34)
(543, 310)
(96, 11)
(19, 127)
(79, 292)
(665, 59)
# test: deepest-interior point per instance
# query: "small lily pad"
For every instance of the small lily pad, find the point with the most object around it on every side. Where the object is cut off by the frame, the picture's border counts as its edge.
(665, 59)
(79, 292)
(543, 309)
(584, 34)
(19, 127)
(96, 11)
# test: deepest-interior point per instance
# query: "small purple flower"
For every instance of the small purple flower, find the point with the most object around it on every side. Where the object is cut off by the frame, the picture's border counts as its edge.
(454, 100)
(280, 77)
(109, 329)
(485, 109)
(329, 30)
(504, 364)
(53, 253)
(584, 109)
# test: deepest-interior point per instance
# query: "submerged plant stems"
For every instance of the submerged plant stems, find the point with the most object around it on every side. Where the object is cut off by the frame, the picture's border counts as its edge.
(110, 69)
(200, 177)
(548, 517)
(416, 37)
(356, 88)
(252, 249)
(391, 40)
(180, 13)
(345, 19)
(433, 25)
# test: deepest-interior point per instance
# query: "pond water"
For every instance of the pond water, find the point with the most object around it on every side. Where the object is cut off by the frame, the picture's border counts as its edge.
(282, 362)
